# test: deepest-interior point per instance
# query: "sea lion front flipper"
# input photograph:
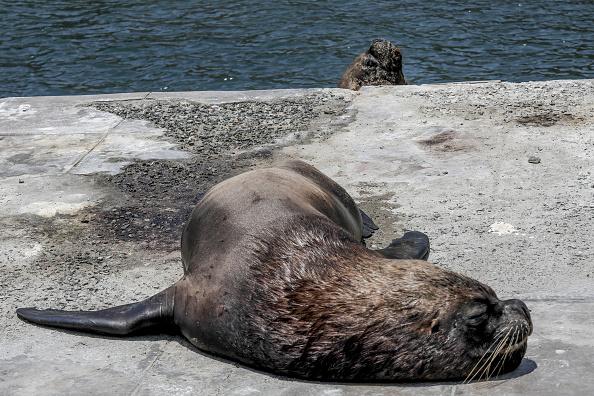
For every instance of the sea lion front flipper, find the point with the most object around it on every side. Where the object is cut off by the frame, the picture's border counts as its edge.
(369, 226)
(412, 245)
(155, 311)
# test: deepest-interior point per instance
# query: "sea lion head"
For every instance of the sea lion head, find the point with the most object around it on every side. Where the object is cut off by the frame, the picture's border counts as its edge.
(463, 330)
(381, 64)
(422, 322)
(339, 312)
(387, 54)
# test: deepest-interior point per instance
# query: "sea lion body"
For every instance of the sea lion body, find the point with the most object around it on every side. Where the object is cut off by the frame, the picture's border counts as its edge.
(276, 277)
(222, 231)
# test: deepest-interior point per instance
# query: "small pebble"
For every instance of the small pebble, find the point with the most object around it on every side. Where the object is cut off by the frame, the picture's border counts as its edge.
(534, 160)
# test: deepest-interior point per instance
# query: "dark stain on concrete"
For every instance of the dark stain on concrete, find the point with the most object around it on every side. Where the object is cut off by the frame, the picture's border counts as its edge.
(381, 209)
(150, 200)
(447, 140)
(546, 119)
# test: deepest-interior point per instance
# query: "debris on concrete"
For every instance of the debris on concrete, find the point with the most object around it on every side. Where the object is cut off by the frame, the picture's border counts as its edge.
(501, 228)
(228, 128)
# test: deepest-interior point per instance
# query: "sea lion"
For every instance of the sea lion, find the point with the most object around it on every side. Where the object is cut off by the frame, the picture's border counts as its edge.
(381, 64)
(276, 277)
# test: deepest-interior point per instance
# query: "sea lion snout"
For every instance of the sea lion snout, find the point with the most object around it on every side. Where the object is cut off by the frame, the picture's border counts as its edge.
(516, 310)
(502, 328)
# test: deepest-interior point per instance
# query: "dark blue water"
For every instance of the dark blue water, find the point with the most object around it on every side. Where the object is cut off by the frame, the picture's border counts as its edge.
(81, 47)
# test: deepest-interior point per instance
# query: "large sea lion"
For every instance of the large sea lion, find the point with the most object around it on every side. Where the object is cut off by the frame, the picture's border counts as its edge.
(276, 277)
(381, 64)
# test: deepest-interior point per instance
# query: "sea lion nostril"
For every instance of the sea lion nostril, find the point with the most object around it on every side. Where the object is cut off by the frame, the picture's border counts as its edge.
(516, 310)
(517, 306)
(524, 309)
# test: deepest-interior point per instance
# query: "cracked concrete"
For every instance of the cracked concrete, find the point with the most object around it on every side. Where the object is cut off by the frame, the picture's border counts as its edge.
(93, 197)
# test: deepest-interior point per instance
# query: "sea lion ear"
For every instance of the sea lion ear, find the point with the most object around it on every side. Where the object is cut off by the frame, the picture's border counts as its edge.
(431, 327)
(435, 324)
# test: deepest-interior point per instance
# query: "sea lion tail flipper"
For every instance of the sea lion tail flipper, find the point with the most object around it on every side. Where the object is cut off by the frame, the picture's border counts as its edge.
(369, 226)
(412, 245)
(155, 311)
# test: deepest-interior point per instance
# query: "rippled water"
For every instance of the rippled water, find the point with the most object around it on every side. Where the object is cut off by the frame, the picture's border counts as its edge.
(80, 47)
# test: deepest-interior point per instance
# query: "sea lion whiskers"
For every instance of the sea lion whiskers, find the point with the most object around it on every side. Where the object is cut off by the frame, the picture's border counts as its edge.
(496, 354)
(501, 362)
(498, 340)
(485, 367)
(514, 339)
(509, 349)
(507, 352)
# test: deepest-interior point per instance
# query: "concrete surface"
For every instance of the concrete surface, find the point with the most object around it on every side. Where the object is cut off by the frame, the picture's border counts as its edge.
(93, 197)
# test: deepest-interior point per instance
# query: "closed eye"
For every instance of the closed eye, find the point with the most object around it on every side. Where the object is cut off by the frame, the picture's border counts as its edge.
(476, 319)
(477, 314)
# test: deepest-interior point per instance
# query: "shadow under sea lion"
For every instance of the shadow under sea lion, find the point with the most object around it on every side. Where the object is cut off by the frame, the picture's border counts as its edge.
(276, 277)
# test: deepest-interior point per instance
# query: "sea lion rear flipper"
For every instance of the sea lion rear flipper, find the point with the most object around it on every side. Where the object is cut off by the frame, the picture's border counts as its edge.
(369, 226)
(412, 245)
(124, 319)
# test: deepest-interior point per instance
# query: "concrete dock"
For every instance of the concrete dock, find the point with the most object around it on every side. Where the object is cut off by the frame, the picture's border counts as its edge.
(94, 191)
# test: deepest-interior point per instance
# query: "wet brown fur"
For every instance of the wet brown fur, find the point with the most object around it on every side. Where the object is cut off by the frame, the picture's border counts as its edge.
(291, 289)
(326, 307)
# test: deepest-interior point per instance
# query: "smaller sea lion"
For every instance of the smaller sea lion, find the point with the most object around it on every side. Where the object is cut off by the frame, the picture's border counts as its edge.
(381, 64)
